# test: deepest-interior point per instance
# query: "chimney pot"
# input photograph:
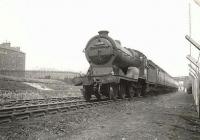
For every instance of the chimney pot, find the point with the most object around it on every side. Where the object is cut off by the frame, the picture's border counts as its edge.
(104, 33)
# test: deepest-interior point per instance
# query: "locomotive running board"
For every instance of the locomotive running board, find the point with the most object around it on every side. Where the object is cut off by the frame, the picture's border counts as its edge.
(111, 78)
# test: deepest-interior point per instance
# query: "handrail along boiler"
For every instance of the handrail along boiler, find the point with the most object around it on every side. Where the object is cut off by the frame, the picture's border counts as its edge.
(119, 72)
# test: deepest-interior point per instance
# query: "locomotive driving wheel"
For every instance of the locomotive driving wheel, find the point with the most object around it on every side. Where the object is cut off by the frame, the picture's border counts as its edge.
(98, 96)
(131, 92)
(87, 90)
(113, 92)
(122, 91)
(98, 92)
(105, 90)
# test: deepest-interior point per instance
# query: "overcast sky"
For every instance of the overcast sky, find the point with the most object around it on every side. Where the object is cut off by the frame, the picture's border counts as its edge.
(53, 33)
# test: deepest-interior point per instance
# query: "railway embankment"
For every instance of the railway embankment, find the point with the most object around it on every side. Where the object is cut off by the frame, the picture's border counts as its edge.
(12, 88)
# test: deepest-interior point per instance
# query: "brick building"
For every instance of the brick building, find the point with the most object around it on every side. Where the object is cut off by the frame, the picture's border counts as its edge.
(12, 60)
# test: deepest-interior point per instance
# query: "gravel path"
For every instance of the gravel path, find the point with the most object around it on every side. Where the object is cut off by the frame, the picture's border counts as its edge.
(164, 117)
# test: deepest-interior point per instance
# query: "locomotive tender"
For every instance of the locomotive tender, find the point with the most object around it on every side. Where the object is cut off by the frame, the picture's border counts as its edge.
(119, 72)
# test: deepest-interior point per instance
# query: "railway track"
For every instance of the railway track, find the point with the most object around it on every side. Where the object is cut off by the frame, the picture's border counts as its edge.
(14, 103)
(25, 112)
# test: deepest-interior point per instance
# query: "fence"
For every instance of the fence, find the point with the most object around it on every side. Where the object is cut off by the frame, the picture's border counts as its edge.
(38, 74)
(194, 74)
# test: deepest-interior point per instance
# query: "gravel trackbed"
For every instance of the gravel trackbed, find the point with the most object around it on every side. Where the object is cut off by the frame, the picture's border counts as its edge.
(169, 116)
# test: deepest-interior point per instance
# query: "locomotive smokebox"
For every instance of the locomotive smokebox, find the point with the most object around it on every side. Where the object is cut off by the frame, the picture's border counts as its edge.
(101, 50)
(103, 33)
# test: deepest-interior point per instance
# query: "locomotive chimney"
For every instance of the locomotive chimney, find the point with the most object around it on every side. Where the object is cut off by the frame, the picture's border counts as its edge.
(103, 33)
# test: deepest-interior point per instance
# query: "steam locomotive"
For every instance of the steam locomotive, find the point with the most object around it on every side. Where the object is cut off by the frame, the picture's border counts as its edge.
(119, 72)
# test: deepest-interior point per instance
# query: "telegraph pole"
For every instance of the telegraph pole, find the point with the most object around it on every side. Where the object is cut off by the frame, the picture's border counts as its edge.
(190, 24)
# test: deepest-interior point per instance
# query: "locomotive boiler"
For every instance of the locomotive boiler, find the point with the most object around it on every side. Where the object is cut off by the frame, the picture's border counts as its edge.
(118, 72)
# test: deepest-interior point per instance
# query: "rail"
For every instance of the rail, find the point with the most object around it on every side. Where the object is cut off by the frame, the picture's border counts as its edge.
(11, 103)
(25, 112)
